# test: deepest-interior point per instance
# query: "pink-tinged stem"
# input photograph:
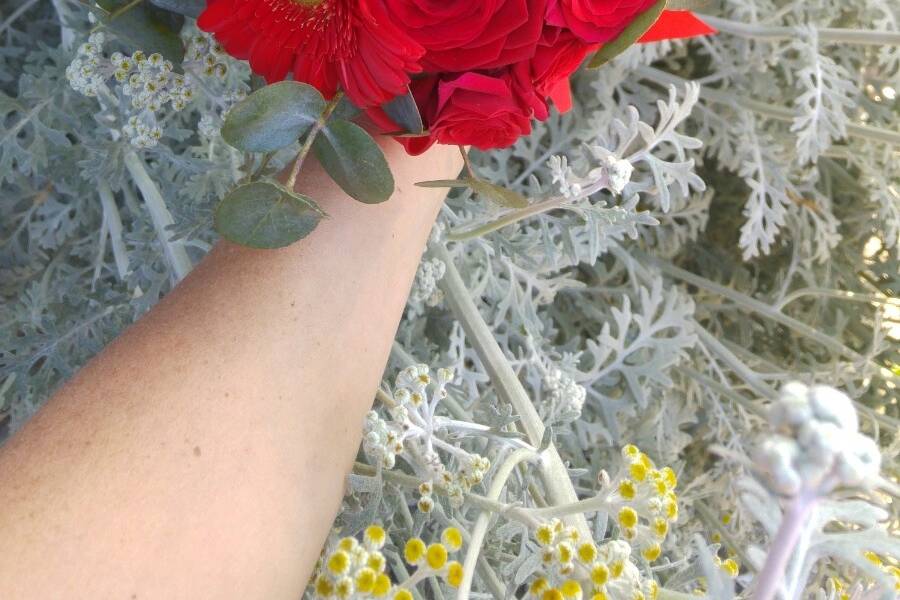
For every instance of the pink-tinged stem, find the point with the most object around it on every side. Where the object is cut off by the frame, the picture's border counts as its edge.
(795, 520)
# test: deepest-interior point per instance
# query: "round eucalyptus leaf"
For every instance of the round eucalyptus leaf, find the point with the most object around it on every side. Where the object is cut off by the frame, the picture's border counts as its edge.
(188, 8)
(145, 27)
(264, 214)
(273, 117)
(355, 161)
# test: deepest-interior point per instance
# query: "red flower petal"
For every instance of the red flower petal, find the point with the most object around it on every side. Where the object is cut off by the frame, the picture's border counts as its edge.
(676, 24)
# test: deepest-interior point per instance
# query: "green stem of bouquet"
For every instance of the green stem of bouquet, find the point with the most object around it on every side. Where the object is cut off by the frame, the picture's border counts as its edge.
(310, 138)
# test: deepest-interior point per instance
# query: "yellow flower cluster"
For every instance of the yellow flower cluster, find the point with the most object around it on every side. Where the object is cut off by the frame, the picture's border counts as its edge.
(435, 557)
(646, 500)
(356, 571)
(576, 568)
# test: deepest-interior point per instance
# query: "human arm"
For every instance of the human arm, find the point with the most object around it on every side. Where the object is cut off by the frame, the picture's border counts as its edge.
(203, 454)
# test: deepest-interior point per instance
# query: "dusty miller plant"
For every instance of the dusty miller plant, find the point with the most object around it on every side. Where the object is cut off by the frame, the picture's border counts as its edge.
(588, 395)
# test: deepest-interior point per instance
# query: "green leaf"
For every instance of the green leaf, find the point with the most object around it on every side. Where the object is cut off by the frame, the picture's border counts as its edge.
(188, 8)
(264, 214)
(629, 36)
(146, 27)
(404, 112)
(273, 117)
(495, 193)
(355, 162)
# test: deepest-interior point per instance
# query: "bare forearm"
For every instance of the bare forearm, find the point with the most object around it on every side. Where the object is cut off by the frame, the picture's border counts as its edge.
(203, 454)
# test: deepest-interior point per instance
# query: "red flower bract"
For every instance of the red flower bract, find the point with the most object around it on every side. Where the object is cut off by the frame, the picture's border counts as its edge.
(463, 35)
(595, 21)
(351, 44)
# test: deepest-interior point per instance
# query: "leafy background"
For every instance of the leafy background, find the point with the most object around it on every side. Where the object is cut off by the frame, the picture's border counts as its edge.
(756, 243)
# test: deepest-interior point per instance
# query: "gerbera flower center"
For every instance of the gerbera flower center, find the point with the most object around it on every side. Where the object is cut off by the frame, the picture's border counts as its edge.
(326, 19)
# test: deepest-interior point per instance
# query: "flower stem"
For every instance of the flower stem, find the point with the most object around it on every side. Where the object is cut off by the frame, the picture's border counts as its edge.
(779, 113)
(310, 138)
(795, 521)
(825, 34)
(160, 215)
(508, 387)
(484, 518)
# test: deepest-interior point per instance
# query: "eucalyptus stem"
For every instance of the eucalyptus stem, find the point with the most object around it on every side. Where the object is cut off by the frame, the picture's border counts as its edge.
(553, 471)
(825, 34)
(159, 213)
(310, 138)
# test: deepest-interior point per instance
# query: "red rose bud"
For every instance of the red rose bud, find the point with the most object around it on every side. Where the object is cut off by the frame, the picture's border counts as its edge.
(481, 111)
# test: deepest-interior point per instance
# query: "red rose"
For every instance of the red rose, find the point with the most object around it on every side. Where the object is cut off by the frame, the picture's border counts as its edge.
(348, 43)
(558, 55)
(480, 110)
(463, 35)
(596, 21)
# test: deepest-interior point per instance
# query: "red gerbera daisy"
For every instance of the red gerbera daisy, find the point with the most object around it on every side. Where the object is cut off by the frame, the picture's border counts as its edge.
(326, 43)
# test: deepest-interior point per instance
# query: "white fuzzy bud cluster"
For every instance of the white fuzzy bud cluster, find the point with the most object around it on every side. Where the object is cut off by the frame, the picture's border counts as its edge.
(412, 430)
(564, 394)
(425, 287)
(381, 443)
(204, 55)
(612, 173)
(86, 73)
(150, 81)
(817, 446)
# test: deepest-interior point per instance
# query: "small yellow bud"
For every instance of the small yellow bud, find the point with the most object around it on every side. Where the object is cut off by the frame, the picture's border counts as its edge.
(414, 551)
(538, 586)
(323, 586)
(403, 595)
(452, 538)
(587, 552)
(651, 553)
(454, 573)
(552, 594)
(365, 580)
(630, 451)
(731, 567)
(600, 595)
(382, 586)
(599, 574)
(347, 544)
(544, 534)
(436, 556)
(626, 489)
(344, 588)
(638, 471)
(628, 518)
(571, 589)
(375, 536)
(872, 558)
(565, 552)
(338, 562)
(376, 561)
(617, 568)
(660, 528)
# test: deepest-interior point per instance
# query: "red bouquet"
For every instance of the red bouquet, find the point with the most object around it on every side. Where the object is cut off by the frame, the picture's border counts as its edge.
(478, 71)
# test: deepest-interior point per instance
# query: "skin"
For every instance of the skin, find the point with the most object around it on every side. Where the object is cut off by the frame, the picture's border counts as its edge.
(203, 454)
